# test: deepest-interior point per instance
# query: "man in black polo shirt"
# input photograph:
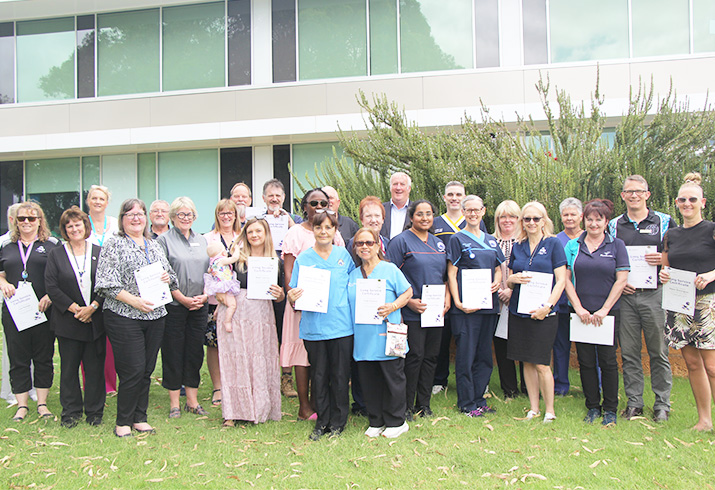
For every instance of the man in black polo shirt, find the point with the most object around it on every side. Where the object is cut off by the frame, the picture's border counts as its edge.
(641, 310)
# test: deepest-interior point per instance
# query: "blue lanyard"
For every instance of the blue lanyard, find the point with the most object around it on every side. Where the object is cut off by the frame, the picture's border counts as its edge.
(146, 249)
(101, 242)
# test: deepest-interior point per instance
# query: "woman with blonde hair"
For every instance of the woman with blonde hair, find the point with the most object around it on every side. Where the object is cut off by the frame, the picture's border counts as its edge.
(532, 333)
(691, 247)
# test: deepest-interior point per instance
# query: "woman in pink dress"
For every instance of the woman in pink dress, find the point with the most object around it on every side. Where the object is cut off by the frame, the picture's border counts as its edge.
(248, 347)
(293, 353)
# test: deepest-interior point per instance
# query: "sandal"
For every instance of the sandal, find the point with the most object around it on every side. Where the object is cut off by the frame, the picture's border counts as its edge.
(229, 423)
(175, 413)
(216, 402)
(17, 418)
(197, 410)
(47, 415)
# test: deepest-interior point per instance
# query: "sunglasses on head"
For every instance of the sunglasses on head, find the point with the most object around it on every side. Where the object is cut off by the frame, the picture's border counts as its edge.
(692, 199)
(528, 219)
(322, 202)
(31, 219)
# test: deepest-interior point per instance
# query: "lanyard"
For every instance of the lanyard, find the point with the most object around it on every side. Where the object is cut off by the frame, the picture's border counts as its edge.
(534, 252)
(25, 257)
(84, 261)
(101, 242)
(146, 249)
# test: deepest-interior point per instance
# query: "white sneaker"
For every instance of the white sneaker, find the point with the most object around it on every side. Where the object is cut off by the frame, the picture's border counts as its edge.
(531, 414)
(392, 432)
(436, 389)
(374, 431)
(549, 417)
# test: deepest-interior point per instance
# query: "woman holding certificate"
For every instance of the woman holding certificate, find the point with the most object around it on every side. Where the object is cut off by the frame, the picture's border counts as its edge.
(130, 262)
(321, 273)
(76, 321)
(22, 265)
(382, 376)
(691, 247)
(292, 351)
(538, 276)
(182, 349)
(598, 271)
(248, 347)
(474, 272)
(422, 259)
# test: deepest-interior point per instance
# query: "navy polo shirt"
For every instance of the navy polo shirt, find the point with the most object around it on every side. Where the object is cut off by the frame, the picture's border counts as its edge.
(650, 231)
(444, 227)
(467, 251)
(593, 274)
(549, 255)
(421, 263)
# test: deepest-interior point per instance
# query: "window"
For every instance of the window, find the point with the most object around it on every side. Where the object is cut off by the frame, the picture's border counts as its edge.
(239, 42)
(704, 26)
(85, 56)
(146, 177)
(236, 166)
(535, 35)
(486, 21)
(281, 162)
(55, 185)
(383, 37)
(10, 189)
(283, 28)
(660, 27)
(7, 63)
(45, 60)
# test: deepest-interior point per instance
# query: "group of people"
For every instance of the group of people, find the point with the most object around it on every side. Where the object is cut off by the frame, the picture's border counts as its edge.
(427, 264)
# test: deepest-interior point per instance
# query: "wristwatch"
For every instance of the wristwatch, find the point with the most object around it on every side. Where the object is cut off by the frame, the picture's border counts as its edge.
(551, 307)
(93, 305)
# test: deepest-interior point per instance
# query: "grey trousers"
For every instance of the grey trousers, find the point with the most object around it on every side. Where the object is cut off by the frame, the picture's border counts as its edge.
(642, 312)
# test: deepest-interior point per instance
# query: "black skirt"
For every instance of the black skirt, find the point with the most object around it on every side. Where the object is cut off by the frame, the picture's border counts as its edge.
(531, 340)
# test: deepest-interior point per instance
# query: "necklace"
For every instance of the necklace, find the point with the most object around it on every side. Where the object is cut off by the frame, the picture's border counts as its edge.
(84, 262)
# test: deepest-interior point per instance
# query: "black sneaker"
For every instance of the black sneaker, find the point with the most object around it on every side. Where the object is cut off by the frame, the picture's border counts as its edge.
(317, 433)
(336, 431)
(425, 412)
(592, 415)
(609, 418)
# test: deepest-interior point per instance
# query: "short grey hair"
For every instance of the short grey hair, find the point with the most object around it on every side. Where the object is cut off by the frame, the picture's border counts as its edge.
(401, 174)
(453, 183)
(182, 202)
(158, 201)
(471, 197)
(571, 202)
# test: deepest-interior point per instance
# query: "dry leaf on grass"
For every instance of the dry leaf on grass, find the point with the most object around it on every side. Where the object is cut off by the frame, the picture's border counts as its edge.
(667, 443)
(532, 475)
(686, 444)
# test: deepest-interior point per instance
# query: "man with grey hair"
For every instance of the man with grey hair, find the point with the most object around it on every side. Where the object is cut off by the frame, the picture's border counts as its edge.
(641, 312)
(396, 219)
(159, 217)
(346, 226)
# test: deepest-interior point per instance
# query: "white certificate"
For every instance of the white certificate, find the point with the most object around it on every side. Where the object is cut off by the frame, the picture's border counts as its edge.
(592, 334)
(262, 274)
(503, 324)
(642, 275)
(477, 289)
(151, 287)
(252, 212)
(279, 228)
(24, 307)
(315, 284)
(679, 292)
(433, 295)
(535, 293)
(369, 296)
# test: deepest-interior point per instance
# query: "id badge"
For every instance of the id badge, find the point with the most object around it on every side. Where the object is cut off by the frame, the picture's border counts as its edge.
(24, 284)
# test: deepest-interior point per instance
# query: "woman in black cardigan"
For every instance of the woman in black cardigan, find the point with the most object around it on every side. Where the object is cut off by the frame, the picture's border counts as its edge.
(77, 319)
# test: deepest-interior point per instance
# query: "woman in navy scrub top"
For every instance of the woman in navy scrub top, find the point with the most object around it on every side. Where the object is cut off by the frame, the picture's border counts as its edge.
(531, 335)
(421, 258)
(598, 272)
(473, 328)
(691, 247)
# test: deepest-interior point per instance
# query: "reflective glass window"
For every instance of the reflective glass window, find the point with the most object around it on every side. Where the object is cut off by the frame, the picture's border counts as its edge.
(305, 158)
(332, 39)
(128, 52)
(383, 37)
(90, 177)
(583, 30)
(193, 46)
(283, 28)
(45, 60)
(10, 189)
(703, 26)
(239, 42)
(436, 35)
(85, 56)
(146, 177)
(535, 35)
(236, 166)
(660, 27)
(55, 184)
(7, 63)
(486, 22)
(281, 163)
(119, 174)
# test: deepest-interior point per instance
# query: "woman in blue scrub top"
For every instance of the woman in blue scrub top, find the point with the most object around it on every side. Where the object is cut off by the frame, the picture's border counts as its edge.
(328, 337)
(532, 334)
(598, 271)
(382, 377)
(421, 258)
(473, 328)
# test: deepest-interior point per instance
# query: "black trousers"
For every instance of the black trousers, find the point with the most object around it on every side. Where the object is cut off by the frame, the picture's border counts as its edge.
(72, 353)
(441, 373)
(34, 345)
(330, 374)
(588, 369)
(507, 370)
(136, 345)
(182, 348)
(420, 363)
(384, 392)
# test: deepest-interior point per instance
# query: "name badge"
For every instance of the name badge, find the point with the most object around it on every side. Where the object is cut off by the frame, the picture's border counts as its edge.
(645, 232)
(195, 244)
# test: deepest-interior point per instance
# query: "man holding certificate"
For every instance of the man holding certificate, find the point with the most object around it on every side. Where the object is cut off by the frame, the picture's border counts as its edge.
(474, 272)
(537, 276)
(598, 265)
(641, 311)
(691, 247)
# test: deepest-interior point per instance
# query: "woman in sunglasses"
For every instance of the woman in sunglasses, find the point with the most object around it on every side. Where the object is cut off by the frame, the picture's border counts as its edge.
(532, 333)
(292, 352)
(22, 264)
(691, 247)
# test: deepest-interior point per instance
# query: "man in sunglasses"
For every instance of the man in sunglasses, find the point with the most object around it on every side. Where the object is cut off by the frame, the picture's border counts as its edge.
(641, 312)
(346, 226)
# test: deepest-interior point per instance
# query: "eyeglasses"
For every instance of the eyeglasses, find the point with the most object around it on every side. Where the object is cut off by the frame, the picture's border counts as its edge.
(227, 214)
(132, 216)
(473, 211)
(529, 219)
(692, 200)
(31, 219)
(427, 214)
(327, 211)
(362, 243)
(158, 211)
(508, 216)
(185, 215)
(635, 192)
(323, 203)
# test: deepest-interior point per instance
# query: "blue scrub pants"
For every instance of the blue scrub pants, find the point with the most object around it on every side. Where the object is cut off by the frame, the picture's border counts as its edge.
(473, 364)
(561, 353)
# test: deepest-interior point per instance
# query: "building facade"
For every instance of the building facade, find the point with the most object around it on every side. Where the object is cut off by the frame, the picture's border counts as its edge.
(163, 98)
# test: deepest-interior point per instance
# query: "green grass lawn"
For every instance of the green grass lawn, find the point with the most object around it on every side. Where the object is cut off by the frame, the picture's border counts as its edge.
(448, 450)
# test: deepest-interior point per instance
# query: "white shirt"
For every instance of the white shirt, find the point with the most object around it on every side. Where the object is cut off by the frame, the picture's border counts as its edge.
(397, 219)
(83, 264)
